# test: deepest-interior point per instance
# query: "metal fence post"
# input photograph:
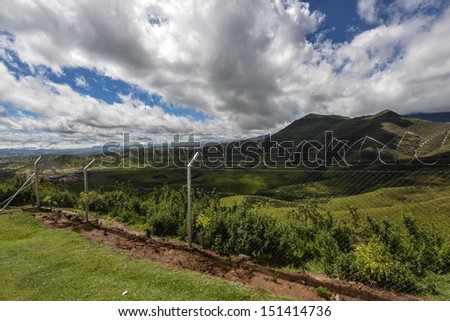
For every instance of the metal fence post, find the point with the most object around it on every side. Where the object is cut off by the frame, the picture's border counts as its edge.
(86, 204)
(36, 181)
(189, 205)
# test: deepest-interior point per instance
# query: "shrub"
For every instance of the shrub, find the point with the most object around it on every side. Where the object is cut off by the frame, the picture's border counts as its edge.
(421, 249)
(242, 230)
(163, 223)
(48, 201)
(57, 195)
(373, 264)
(165, 212)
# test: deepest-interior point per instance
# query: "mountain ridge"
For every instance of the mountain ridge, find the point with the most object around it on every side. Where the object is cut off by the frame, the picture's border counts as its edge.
(384, 125)
(385, 129)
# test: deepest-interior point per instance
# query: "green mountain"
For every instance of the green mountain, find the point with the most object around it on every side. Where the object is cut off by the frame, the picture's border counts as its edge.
(386, 131)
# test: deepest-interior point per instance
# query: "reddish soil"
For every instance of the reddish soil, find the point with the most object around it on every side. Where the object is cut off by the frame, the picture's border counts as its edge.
(300, 286)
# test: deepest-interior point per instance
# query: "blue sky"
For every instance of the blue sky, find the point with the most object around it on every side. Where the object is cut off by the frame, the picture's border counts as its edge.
(94, 83)
(77, 74)
(342, 21)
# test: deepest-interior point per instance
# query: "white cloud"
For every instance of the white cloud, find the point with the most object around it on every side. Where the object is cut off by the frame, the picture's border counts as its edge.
(399, 66)
(80, 81)
(368, 11)
(70, 118)
(216, 57)
(248, 66)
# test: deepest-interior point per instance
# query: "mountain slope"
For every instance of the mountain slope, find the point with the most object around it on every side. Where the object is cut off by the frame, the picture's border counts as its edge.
(382, 126)
(385, 129)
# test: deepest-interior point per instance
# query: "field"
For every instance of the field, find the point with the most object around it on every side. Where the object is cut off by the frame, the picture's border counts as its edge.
(37, 263)
(430, 206)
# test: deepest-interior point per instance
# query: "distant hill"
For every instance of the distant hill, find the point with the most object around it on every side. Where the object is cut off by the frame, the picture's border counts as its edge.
(10, 152)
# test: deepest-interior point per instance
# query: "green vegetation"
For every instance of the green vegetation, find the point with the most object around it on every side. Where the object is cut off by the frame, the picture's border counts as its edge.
(383, 237)
(323, 293)
(362, 250)
(37, 263)
(10, 186)
(428, 205)
(353, 247)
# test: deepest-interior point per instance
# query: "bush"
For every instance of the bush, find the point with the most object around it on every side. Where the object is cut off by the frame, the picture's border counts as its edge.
(165, 212)
(57, 195)
(241, 230)
(371, 263)
(122, 203)
(163, 223)
(421, 250)
(48, 201)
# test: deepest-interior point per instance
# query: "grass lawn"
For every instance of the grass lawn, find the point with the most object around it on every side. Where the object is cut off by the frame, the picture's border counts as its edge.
(38, 263)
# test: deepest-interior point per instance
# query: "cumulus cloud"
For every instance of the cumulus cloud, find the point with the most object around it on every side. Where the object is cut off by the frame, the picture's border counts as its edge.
(368, 11)
(73, 116)
(248, 66)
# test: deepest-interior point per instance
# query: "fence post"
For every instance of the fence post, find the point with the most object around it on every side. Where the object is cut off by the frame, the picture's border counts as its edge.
(189, 205)
(36, 181)
(86, 204)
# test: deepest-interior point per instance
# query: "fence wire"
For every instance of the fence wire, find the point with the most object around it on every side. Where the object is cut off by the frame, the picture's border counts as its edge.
(385, 228)
(389, 229)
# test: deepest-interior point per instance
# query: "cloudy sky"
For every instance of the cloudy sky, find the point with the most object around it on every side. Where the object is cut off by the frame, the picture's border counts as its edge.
(80, 73)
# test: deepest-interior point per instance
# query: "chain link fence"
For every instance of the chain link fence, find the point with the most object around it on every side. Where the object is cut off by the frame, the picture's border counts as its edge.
(389, 228)
(386, 228)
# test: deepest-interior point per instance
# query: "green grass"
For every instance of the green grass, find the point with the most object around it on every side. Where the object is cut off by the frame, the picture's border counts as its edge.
(430, 206)
(37, 263)
(323, 292)
(266, 205)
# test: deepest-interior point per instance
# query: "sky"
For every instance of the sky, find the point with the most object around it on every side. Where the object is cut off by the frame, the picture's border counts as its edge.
(79, 73)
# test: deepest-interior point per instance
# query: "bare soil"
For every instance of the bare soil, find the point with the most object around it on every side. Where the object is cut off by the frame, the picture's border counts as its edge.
(300, 286)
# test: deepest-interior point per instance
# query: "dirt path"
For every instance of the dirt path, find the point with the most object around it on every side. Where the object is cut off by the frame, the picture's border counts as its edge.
(300, 286)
